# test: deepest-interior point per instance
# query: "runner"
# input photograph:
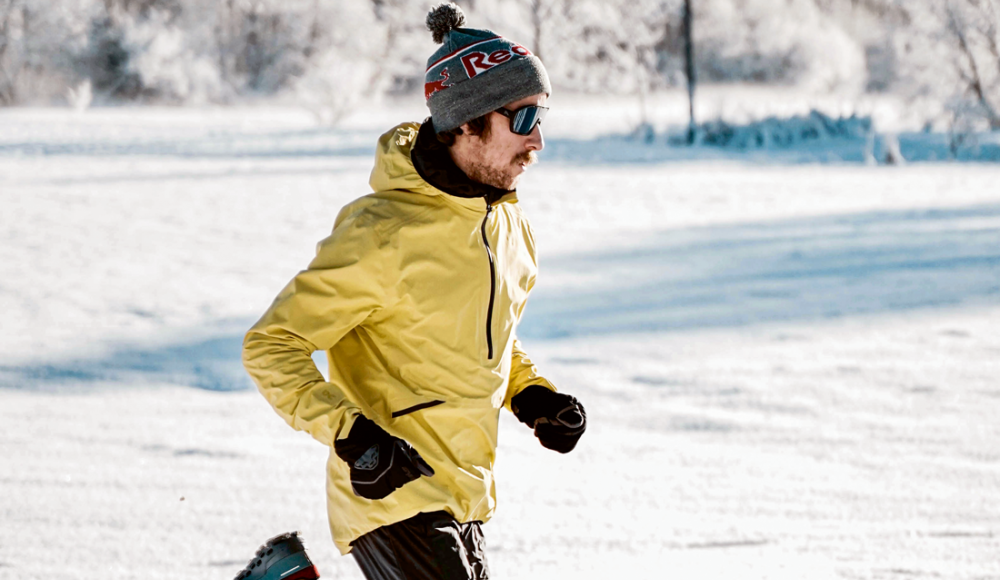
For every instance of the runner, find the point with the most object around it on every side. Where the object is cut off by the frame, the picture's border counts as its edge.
(416, 297)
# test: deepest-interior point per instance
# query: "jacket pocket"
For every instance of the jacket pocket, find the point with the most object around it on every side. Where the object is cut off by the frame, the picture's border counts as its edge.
(416, 408)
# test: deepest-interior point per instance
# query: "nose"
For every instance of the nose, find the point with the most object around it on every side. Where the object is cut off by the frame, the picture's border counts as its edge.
(535, 140)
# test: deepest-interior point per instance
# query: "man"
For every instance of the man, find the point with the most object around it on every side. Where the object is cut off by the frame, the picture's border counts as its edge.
(415, 297)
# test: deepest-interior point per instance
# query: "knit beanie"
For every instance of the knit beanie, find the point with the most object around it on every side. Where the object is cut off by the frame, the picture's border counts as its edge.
(475, 71)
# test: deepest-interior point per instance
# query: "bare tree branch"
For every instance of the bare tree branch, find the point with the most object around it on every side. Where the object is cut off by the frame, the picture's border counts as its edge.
(975, 81)
(993, 32)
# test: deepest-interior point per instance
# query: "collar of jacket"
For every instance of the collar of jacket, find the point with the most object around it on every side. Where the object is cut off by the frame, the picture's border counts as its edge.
(434, 164)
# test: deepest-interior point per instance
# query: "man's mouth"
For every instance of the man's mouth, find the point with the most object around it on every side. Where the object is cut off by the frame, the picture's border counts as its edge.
(525, 159)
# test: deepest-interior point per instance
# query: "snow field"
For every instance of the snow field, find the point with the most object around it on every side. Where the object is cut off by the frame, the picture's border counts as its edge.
(790, 372)
(778, 453)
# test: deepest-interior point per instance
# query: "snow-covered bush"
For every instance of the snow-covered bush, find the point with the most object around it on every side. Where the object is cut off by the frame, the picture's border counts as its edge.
(81, 96)
(168, 65)
(262, 44)
(870, 24)
(608, 46)
(342, 70)
(358, 52)
(774, 132)
(148, 50)
(107, 58)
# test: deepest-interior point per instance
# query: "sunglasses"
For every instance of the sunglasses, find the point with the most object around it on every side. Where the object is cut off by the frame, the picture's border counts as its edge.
(523, 120)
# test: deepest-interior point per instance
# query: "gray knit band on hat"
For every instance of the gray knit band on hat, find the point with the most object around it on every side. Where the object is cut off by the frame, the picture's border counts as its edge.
(475, 71)
(465, 101)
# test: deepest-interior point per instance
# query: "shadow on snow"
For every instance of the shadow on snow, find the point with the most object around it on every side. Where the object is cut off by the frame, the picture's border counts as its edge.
(791, 270)
(212, 364)
(796, 270)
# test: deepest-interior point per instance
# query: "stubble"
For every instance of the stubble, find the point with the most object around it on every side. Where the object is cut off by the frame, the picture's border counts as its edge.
(504, 178)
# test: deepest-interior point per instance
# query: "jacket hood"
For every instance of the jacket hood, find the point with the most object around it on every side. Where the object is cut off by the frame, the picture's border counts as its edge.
(393, 165)
(411, 158)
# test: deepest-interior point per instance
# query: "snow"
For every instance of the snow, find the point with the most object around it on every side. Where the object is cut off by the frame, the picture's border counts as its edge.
(789, 366)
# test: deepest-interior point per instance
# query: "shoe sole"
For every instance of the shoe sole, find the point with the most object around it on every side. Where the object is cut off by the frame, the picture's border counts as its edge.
(310, 573)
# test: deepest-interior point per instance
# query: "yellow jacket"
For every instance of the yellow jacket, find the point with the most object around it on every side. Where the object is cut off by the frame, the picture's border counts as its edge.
(415, 297)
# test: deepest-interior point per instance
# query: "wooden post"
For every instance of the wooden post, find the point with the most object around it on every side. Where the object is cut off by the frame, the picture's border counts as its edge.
(689, 57)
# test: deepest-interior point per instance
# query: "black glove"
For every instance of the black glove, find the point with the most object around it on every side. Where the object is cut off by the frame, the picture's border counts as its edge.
(380, 463)
(558, 419)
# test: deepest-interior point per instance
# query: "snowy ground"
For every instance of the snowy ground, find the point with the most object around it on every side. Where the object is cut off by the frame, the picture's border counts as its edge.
(790, 369)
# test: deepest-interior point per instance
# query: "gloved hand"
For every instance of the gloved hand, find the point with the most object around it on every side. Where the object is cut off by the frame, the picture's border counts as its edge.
(558, 419)
(380, 463)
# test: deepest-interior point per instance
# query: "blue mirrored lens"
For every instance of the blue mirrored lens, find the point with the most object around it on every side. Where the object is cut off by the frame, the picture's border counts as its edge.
(526, 118)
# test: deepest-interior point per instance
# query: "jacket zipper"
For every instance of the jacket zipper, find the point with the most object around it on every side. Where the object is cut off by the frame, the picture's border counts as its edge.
(493, 284)
(415, 408)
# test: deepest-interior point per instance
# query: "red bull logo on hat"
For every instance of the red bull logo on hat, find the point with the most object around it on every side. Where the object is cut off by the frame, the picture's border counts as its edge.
(438, 85)
(479, 62)
(470, 61)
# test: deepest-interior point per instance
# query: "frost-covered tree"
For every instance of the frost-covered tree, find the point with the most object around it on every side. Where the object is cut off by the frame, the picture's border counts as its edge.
(150, 50)
(974, 30)
(775, 41)
(38, 39)
(632, 45)
(947, 59)
(402, 43)
(872, 25)
(12, 62)
(331, 54)
(342, 64)
(608, 46)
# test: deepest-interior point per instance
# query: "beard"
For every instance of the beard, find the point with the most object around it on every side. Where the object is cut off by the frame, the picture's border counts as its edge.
(504, 178)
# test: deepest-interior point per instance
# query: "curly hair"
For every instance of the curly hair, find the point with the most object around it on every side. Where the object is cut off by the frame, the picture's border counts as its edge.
(480, 127)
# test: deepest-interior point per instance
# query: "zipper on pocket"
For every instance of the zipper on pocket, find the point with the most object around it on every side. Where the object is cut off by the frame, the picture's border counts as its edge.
(416, 408)
(493, 283)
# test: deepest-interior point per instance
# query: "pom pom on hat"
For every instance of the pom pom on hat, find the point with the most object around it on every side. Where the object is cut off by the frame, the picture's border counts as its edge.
(444, 18)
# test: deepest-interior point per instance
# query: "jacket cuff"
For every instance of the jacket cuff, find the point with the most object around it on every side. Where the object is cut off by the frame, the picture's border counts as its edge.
(363, 433)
